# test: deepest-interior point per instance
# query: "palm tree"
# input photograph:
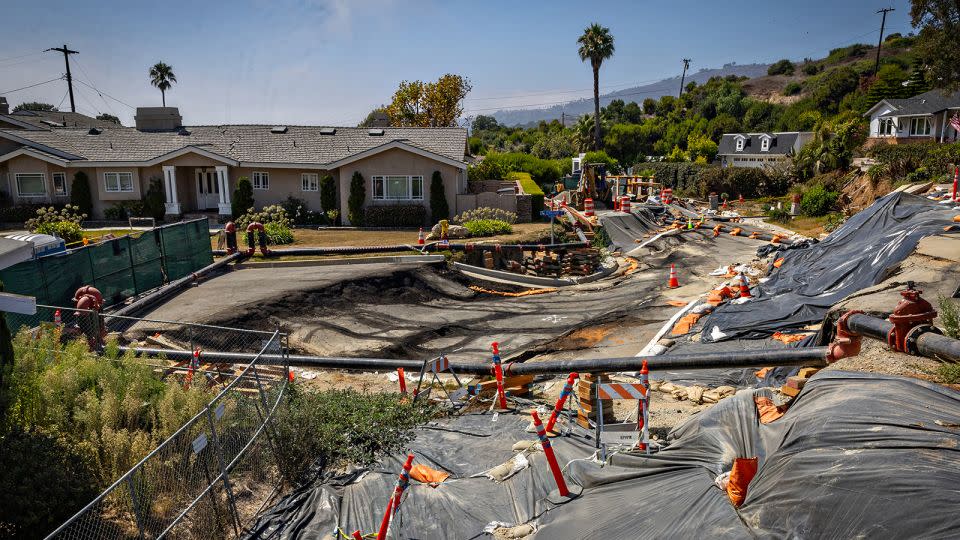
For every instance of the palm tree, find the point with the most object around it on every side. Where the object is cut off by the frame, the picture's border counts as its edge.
(596, 44)
(162, 76)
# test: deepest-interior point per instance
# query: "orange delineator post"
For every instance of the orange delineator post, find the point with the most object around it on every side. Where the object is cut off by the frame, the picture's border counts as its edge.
(194, 364)
(356, 535)
(642, 406)
(420, 240)
(394, 505)
(956, 179)
(403, 380)
(551, 459)
(57, 319)
(564, 394)
(498, 372)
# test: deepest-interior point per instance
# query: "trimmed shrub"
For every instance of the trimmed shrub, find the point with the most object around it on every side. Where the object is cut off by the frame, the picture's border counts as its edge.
(495, 166)
(398, 216)
(485, 212)
(328, 193)
(80, 195)
(439, 209)
(818, 201)
(275, 222)
(358, 194)
(242, 199)
(64, 223)
(297, 210)
(488, 227)
(530, 188)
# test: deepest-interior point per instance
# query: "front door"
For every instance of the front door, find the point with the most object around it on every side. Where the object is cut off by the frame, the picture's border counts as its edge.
(208, 189)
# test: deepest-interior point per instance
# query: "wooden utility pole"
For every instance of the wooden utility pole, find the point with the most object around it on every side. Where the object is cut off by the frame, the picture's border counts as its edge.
(686, 64)
(66, 58)
(883, 23)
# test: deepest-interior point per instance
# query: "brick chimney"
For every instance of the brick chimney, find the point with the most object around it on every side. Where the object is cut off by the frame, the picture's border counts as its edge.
(158, 119)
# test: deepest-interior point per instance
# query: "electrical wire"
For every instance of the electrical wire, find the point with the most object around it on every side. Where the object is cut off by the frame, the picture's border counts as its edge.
(90, 86)
(21, 56)
(87, 75)
(60, 78)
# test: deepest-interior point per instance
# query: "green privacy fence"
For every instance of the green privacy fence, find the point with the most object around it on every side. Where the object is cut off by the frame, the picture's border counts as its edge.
(119, 268)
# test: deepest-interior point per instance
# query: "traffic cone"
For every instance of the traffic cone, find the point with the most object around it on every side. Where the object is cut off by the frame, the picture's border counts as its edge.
(740, 198)
(420, 241)
(744, 287)
(674, 283)
(689, 223)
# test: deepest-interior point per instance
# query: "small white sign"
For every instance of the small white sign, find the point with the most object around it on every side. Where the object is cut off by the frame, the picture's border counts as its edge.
(199, 443)
(620, 434)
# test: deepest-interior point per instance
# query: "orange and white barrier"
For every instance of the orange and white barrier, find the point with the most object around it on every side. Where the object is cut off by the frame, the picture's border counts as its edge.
(588, 207)
(625, 204)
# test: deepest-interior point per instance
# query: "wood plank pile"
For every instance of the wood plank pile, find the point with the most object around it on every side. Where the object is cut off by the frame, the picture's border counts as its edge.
(518, 385)
(587, 392)
(579, 262)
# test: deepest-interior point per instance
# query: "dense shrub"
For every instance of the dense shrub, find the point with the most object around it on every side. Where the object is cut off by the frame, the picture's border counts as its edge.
(275, 221)
(155, 200)
(811, 69)
(781, 67)
(242, 198)
(299, 213)
(21, 212)
(80, 195)
(818, 201)
(439, 209)
(682, 177)
(778, 215)
(488, 227)
(530, 188)
(485, 212)
(745, 181)
(396, 215)
(64, 223)
(278, 234)
(358, 195)
(123, 210)
(328, 193)
(792, 89)
(844, 53)
(496, 166)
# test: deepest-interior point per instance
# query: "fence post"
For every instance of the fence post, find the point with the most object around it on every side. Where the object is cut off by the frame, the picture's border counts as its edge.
(131, 486)
(223, 471)
(133, 267)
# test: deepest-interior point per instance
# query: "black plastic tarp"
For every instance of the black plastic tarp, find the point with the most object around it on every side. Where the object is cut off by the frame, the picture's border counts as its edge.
(858, 255)
(856, 456)
(625, 229)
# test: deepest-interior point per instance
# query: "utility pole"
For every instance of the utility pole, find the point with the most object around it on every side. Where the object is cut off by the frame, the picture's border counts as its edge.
(66, 58)
(563, 118)
(883, 23)
(686, 64)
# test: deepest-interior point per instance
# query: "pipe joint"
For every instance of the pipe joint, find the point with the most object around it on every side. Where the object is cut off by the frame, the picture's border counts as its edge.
(846, 343)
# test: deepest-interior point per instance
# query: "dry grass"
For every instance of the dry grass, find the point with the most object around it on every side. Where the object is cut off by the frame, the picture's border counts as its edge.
(807, 226)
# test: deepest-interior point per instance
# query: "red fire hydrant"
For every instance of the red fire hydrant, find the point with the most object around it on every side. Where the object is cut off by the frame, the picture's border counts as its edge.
(911, 313)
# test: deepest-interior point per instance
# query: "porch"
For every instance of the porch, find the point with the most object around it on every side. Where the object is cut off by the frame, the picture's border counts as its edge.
(197, 189)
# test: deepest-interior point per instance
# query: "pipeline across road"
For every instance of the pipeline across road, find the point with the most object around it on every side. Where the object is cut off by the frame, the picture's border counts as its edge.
(929, 344)
(434, 246)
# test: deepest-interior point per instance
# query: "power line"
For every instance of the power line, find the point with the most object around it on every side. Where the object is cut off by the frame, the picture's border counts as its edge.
(61, 100)
(99, 93)
(90, 86)
(31, 86)
(21, 56)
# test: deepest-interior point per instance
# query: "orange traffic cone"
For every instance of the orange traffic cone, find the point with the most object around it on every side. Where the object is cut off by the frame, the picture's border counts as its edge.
(740, 198)
(744, 287)
(674, 283)
(420, 238)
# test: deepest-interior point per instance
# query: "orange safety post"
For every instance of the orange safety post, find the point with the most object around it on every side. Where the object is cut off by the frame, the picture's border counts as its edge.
(356, 535)
(57, 320)
(498, 372)
(403, 381)
(194, 364)
(625, 204)
(956, 179)
(564, 394)
(562, 494)
(643, 406)
(588, 207)
(393, 506)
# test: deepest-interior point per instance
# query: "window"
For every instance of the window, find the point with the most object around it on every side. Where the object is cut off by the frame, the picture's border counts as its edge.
(59, 183)
(31, 184)
(886, 127)
(310, 182)
(116, 182)
(398, 188)
(919, 126)
(739, 144)
(764, 144)
(261, 180)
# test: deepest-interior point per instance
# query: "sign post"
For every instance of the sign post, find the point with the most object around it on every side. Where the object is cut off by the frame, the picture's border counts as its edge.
(552, 214)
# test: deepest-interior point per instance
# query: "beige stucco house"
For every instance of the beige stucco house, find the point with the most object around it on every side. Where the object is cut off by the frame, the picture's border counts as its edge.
(200, 165)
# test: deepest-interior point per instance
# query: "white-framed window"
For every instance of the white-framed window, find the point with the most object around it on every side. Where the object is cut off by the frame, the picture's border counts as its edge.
(260, 180)
(118, 182)
(309, 182)
(398, 188)
(31, 184)
(739, 144)
(764, 144)
(59, 183)
(886, 127)
(919, 126)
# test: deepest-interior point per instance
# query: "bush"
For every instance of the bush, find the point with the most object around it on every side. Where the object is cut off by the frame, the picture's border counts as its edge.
(242, 198)
(358, 195)
(125, 209)
(297, 210)
(276, 223)
(782, 67)
(155, 200)
(115, 213)
(328, 193)
(488, 227)
(439, 209)
(278, 234)
(315, 431)
(834, 221)
(601, 238)
(65, 223)
(744, 181)
(949, 317)
(811, 69)
(485, 212)
(779, 215)
(20, 213)
(792, 89)
(530, 188)
(80, 195)
(395, 216)
(818, 201)
(496, 166)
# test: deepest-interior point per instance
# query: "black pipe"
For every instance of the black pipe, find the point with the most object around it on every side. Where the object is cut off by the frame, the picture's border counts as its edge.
(353, 250)
(174, 286)
(812, 356)
(929, 344)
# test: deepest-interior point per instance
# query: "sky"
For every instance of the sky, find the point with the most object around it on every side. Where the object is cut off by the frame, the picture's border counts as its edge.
(329, 62)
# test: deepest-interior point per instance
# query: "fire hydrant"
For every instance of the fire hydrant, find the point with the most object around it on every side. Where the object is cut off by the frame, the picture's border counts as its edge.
(911, 314)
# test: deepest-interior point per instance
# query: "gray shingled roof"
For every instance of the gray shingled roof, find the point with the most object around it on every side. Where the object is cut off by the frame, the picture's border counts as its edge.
(930, 102)
(781, 144)
(248, 143)
(39, 119)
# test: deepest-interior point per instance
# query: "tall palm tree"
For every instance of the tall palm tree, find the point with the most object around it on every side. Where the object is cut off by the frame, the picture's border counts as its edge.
(162, 76)
(596, 45)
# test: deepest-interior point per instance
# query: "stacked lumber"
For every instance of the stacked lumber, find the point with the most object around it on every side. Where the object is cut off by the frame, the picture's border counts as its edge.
(580, 262)
(518, 385)
(587, 392)
(548, 265)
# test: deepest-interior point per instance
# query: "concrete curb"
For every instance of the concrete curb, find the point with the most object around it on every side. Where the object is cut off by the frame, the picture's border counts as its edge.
(392, 259)
(536, 281)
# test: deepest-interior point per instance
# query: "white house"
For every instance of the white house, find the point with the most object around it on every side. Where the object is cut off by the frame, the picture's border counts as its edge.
(930, 116)
(760, 149)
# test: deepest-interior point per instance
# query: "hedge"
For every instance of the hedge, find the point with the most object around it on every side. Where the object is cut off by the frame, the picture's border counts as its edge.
(682, 176)
(530, 187)
(399, 215)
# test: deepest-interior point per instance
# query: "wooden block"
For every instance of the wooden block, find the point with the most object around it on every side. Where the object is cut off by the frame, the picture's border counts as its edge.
(796, 382)
(792, 392)
(808, 372)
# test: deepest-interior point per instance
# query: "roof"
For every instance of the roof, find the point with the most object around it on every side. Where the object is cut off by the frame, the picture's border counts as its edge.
(244, 143)
(781, 143)
(930, 102)
(53, 119)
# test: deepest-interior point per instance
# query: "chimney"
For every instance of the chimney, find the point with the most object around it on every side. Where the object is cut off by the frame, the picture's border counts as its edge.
(4, 106)
(158, 119)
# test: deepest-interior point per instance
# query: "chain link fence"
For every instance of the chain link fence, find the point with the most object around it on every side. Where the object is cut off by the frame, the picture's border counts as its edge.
(218, 470)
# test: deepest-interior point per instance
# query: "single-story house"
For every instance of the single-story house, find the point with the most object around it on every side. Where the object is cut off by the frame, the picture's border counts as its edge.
(759, 150)
(200, 165)
(930, 116)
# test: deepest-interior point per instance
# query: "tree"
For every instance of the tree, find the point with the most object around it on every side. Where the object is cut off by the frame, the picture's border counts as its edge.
(328, 193)
(782, 67)
(888, 84)
(484, 123)
(649, 106)
(939, 39)
(376, 118)
(80, 193)
(242, 199)
(162, 76)
(917, 81)
(439, 209)
(358, 195)
(699, 145)
(109, 118)
(154, 201)
(436, 104)
(34, 106)
(596, 45)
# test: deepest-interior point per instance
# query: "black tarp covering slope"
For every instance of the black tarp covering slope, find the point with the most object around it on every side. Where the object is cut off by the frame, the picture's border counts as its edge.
(625, 229)
(856, 456)
(857, 255)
